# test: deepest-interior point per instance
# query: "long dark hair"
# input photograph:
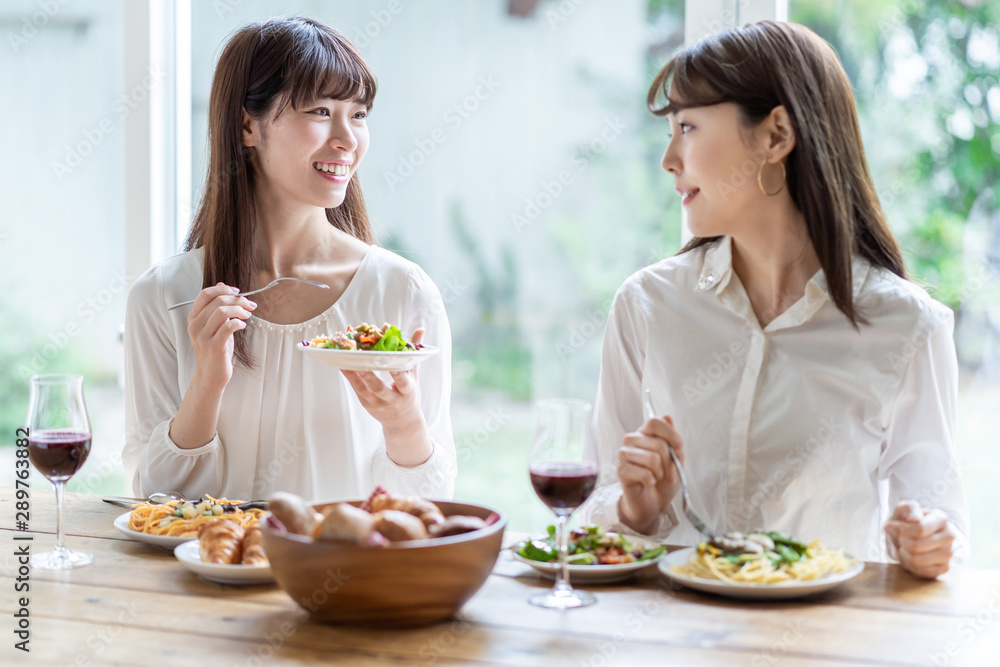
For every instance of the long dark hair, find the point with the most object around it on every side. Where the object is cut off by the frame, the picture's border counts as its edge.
(265, 67)
(767, 64)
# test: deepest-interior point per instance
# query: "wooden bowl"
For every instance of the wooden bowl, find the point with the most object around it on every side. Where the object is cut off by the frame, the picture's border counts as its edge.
(406, 583)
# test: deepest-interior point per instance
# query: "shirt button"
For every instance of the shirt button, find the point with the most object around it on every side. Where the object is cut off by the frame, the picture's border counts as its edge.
(706, 280)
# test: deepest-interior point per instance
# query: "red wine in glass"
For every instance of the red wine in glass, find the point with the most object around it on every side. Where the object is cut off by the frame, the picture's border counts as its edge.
(58, 454)
(563, 470)
(563, 486)
(58, 444)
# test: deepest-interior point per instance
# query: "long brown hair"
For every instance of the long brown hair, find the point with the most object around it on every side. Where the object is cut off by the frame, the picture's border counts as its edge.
(265, 67)
(767, 64)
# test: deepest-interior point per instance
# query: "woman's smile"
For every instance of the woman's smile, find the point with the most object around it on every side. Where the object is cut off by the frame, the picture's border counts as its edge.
(338, 172)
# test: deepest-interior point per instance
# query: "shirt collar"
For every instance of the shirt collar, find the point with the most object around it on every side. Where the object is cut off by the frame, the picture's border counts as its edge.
(717, 270)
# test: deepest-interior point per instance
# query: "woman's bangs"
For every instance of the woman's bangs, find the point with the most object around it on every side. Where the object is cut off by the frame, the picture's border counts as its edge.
(328, 67)
(682, 85)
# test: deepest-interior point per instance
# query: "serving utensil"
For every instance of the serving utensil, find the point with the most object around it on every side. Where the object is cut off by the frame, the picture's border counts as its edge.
(689, 512)
(267, 286)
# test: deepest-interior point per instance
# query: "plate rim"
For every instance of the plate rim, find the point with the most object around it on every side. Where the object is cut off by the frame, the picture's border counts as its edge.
(163, 541)
(749, 591)
(246, 574)
(370, 360)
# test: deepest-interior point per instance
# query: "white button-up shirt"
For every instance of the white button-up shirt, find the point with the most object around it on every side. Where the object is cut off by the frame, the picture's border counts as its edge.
(807, 426)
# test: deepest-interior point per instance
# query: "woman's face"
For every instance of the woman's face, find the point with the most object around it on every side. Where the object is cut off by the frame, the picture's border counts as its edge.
(308, 155)
(714, 168)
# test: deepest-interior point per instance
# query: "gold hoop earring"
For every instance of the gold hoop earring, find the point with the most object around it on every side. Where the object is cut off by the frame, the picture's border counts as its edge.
(760, 182)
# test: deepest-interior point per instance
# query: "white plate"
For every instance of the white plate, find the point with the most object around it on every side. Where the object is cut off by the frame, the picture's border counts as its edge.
(782, 591)
(361, 360)
(165, 541)
(190, 556)
(593, 574)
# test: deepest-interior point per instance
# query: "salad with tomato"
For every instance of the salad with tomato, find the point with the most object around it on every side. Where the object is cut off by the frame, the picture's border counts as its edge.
(589, 545)
(366, 337)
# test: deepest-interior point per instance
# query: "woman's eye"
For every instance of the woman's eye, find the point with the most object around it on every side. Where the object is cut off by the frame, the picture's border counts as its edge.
(322, 111)
(684, 127)
(361, 115)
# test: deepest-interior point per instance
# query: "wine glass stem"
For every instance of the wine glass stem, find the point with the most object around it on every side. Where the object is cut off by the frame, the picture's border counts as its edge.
(60, 538)
(562, 579)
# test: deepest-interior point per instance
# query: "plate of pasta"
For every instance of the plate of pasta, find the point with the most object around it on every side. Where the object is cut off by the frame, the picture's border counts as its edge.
(171, 524)
(760, 565)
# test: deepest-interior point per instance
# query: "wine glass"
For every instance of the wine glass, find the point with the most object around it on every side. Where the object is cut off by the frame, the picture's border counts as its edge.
(58, 444)
(563, 471)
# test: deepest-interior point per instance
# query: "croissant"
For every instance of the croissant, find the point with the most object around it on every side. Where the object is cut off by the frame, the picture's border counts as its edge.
(220, 542)
(424, 510)
(253, 547)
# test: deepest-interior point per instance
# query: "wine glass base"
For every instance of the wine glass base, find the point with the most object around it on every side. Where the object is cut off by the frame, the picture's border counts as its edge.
(61, 560)
(563, 600)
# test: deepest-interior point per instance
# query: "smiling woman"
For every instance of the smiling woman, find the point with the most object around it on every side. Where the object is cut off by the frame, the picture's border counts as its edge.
(217, 399)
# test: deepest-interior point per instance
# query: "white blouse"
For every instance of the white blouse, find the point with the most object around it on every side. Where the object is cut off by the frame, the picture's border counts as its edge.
(806, 426)
(292, 423)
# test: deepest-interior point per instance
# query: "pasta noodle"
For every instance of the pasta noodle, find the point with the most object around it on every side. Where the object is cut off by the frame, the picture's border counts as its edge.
(161, 520)
(818, 562)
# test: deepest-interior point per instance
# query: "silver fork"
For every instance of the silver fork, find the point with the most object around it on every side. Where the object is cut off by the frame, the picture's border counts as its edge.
(692, 516)
(267, 286)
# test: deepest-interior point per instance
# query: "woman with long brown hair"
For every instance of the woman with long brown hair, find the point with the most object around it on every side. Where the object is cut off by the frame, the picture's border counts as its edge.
(218, 400)
(806, 384)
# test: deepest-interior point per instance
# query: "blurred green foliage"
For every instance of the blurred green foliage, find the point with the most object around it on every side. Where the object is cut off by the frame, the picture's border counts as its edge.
(924, 74)
(494, 348)
(25, 352)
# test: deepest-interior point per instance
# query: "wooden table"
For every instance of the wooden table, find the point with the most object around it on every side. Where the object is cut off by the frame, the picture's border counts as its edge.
(135, 605)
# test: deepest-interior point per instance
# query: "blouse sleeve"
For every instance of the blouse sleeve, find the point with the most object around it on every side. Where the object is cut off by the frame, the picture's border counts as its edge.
(618, 408)
(152, 398)
(919, 457)
(435, 477)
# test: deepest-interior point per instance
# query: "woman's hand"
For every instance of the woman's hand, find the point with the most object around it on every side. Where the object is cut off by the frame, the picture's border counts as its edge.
(397, 408)
(215, 316)
(647, 473)
(924, 539)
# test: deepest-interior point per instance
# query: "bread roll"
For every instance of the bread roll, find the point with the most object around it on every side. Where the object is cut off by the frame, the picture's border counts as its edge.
(399, 526)
(424, 510)
(294, 513)
(343, 522)
(456, 525)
